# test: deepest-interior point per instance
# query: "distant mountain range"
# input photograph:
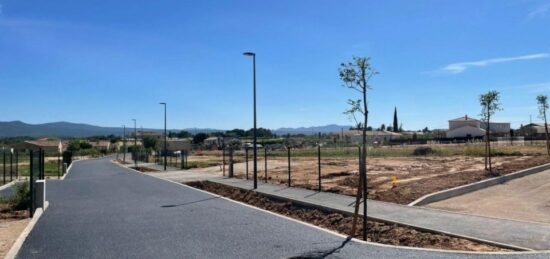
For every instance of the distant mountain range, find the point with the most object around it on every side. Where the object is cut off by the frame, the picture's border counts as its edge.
(77, 130)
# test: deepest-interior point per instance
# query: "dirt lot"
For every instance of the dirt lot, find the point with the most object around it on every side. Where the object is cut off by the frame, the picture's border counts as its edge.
(416, 176)
(12, 224)
(526, 198)
(378, 232)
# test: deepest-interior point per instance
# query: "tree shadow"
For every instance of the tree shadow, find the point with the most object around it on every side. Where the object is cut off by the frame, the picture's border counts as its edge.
(188, 203)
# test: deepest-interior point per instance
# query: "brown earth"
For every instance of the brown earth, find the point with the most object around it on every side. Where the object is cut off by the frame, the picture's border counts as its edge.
(378, 231)
(416, 176)
(12, 224)
(144, 169)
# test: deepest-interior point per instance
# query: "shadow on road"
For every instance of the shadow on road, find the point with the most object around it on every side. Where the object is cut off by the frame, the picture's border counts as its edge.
(322, 253)
(187, 203)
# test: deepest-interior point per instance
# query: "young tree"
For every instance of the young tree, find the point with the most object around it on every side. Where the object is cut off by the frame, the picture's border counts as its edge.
(395, 127)
(150, 142)
(489, 105)
(383, 127)
(356, 75)
(542, 101)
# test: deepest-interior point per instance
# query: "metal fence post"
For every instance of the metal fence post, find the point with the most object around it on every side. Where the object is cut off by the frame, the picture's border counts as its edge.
(4, 167)
(59, 165)
(246, 161)
(265, 164)
(182, 160)
(16, 164)
(319, 164)
(288, 150)
(11, 166)
(223, 161)
(31, 185)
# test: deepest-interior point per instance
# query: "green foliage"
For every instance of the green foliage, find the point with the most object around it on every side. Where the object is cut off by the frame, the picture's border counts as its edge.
(74, 145)
(260, 132)
(184, 134)
(542, 101)
(199, 138)
(150, 142)
(490, 103)
(85, 145)
(21, 199)
(395, 127)
(423, 151)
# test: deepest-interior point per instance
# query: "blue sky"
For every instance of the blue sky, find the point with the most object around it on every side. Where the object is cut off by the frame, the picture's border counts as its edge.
(106, 62)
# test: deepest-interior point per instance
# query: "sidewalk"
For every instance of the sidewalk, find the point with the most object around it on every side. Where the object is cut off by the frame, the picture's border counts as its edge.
(155, 166)
(523, 235)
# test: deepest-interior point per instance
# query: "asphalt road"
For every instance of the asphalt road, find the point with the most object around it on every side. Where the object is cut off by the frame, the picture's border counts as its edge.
(102, 210)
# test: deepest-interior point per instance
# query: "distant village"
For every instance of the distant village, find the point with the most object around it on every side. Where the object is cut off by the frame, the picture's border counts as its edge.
(460, 130)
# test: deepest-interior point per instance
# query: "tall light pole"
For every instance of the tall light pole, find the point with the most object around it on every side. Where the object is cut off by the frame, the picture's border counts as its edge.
(124, 143)
(135, 143)
(165, 139)
(253, 55)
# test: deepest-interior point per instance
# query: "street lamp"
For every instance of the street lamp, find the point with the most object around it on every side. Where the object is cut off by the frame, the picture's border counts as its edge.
(253, 55)
(124, 143)
(165, 141)
(135, 143)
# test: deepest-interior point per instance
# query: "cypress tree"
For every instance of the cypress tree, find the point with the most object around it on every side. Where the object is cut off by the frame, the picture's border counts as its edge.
(395, 124)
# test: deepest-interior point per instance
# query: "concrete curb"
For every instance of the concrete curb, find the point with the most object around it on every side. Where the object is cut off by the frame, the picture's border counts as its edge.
(8, 185)
(521, 251)
(347, 213)
(460, 190)
(14, 250)
(68, 170)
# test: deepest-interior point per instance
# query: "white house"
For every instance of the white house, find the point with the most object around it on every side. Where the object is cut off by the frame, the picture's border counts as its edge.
(372, 136)
(468, 127)
(176, 144)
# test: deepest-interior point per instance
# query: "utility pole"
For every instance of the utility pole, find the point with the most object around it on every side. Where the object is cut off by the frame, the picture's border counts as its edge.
(135, 143)
(165, 138)
(124, 143)
(253, 55)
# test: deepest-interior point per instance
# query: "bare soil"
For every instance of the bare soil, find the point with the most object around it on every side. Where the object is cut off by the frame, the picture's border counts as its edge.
(144, 169)
(378, 231)
(12, 224)
(122, 162)
(416, 176)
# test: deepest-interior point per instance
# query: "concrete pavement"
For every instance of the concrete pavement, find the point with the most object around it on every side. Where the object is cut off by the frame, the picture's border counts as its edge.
(102, 210)
(525, 235)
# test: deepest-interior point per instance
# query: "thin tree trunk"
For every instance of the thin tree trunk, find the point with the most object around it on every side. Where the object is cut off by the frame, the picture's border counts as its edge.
(357, 197)
(486, 145)
(489, 142)
(546, 131)
(362, 185)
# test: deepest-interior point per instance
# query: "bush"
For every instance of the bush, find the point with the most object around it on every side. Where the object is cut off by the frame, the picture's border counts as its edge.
(21, 199)
(423, 151)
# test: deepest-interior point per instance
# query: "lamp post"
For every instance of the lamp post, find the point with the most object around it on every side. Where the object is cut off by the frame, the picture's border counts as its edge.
(253, 55)
(135, 143)
(165, 140)
(124, 143)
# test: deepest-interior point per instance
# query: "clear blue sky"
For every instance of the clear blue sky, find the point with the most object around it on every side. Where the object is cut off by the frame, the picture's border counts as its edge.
(105, 62)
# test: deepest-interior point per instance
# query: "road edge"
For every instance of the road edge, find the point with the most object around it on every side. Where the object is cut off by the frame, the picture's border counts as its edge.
(344, 236)
(14, 250)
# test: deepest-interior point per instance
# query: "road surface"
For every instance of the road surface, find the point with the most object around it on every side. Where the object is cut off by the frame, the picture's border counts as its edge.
(102, 210)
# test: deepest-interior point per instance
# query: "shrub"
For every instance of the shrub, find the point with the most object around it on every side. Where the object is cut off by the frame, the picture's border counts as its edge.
(423, 151)
(21, 199)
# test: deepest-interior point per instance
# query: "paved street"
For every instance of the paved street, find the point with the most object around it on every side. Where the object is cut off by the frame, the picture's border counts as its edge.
(102, 210)
(527, 235)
